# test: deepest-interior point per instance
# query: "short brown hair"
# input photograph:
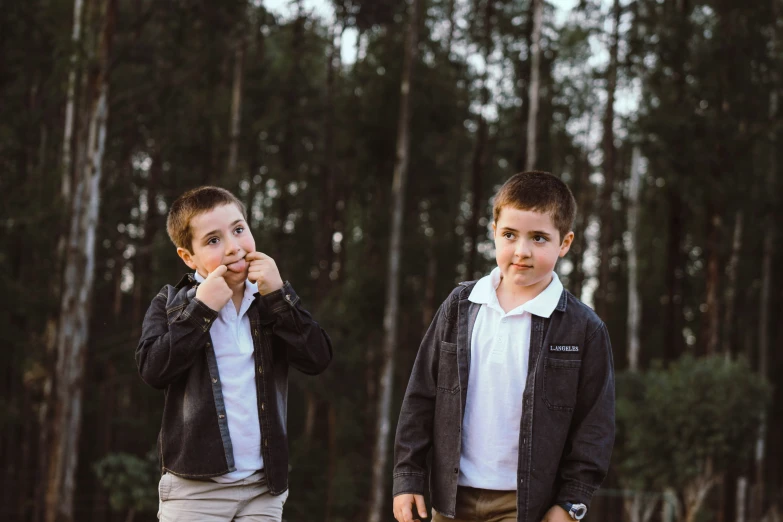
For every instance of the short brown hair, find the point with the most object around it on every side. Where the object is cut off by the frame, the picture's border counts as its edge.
(540, 192)
(191, 204)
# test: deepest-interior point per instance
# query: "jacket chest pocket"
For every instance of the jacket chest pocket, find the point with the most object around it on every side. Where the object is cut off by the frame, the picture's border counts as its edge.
(448, 376)
(561, 383)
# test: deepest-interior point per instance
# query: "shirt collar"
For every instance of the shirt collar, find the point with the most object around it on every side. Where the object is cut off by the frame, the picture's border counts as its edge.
(484, 292)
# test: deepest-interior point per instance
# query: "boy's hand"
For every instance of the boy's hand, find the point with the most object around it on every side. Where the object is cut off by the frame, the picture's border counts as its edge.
(557, 514)
(263, 272)
(402, 507)
(214, 291)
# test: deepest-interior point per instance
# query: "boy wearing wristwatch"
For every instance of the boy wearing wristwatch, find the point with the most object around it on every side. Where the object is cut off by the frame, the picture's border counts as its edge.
(512, 390)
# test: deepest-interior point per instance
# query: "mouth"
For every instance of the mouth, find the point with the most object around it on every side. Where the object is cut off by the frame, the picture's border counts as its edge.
(521, 267)
(238, 266)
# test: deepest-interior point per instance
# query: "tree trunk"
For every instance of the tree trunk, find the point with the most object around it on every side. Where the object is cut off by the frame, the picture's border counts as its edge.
(26, 462)
(66, 182)
(607, 228)
(311, 408)
(742, 499)
(428, 307)
(452, 18)
(391, 311)
(641, 506)
(70, 105)
(332, 471)
(634, 301)
(758, 498)
(142, 272)
(674, 258)
(479, 157)
(770, 232)
(236, 108)
(711, 325)
(323, 247)
(75, 306)
(585, 201)
(731, 286)
(535, 80)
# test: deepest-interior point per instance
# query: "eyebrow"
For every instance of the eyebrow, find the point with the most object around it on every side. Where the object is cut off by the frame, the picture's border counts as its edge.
(211, 232)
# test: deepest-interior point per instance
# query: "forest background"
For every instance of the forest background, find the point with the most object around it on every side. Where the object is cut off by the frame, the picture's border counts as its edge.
(367, 138)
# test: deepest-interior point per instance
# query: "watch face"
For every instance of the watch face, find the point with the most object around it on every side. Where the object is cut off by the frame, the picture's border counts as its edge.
(579, 511)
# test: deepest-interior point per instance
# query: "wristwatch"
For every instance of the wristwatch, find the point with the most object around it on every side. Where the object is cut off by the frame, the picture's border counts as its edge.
(575, 511)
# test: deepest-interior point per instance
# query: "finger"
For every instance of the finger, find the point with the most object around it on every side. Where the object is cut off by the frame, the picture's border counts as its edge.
(218, 272)
(253, 256)
(419, 499)
(407, 516)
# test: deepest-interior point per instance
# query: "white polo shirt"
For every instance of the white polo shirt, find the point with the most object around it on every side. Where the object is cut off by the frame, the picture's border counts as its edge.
(499, 352)
(233, 344)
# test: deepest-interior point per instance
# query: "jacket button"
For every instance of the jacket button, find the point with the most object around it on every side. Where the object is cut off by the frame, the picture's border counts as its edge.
(456, 470)
(287, 297)
(262, 407)
(266, 442)
(261, 370)
(214, 380)
(255, 332)
(221, 416)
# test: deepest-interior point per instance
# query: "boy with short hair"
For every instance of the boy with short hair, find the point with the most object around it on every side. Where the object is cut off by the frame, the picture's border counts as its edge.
(513, 385)
(220, 343)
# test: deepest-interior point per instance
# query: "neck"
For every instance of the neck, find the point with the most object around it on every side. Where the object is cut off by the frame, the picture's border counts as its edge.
(519, 295)
(239, 294)
(238, 289)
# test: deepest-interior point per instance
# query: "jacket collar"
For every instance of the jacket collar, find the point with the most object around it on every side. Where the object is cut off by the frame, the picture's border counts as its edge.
(484, 292)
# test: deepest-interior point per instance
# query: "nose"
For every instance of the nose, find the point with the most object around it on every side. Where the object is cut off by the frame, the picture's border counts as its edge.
(522, 249)
(232, 246)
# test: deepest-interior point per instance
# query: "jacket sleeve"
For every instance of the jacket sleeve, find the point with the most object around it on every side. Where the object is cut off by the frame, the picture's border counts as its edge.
(308, 348)
(416, 422)
(588, 449)
(166, 351)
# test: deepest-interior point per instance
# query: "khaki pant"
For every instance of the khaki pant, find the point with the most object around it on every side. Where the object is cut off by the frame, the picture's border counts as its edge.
(482, 505)
(248, 500)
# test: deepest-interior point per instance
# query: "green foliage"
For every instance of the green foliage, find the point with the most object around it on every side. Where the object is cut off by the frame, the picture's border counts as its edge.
(672, 421)
(130, 481)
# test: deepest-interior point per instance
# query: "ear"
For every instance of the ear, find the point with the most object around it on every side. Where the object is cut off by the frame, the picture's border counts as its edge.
(565, 246)
(186, 256)
(494, 228)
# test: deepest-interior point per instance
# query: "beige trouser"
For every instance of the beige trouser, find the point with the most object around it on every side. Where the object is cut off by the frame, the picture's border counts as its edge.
(482, 505)
(248, 500)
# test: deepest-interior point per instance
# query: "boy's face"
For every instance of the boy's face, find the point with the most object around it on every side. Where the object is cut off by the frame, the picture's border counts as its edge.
(527, 246)
(220, 237)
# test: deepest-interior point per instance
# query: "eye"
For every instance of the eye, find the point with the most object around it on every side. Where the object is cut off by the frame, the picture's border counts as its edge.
(239, 230)
(212, 241)
(539, 239)
(508, 235)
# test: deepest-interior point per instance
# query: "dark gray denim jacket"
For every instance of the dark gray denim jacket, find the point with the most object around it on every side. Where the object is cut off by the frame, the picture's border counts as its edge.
(175, 354)
(567, 426)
